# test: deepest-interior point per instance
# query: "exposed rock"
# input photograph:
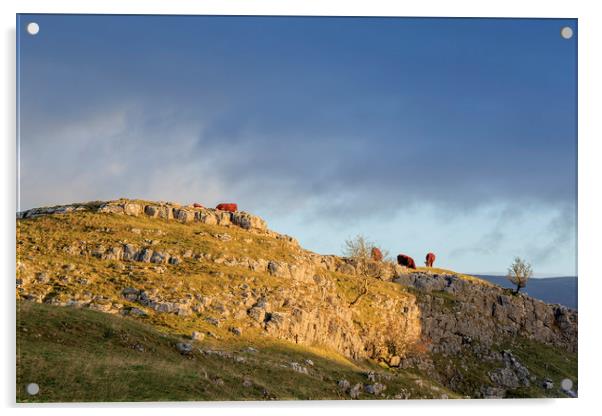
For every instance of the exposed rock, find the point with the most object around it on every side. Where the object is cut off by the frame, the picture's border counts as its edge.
(213, 321)
(298, 367)
(394, 361)
(144, 255)
(184, 215)
(197, 336)
(343, 385)
(129, 252)
(247, 221)
(184, 348)
(354, 392)
(236, 331)
(174, 260)
(375, 389)
(133, 209)
(158, 257)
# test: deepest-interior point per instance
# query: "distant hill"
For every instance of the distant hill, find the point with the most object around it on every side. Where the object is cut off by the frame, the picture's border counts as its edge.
(561, 290)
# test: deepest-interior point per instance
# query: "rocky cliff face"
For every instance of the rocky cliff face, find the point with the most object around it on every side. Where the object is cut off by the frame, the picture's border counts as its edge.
(220, 273)
(454, 312)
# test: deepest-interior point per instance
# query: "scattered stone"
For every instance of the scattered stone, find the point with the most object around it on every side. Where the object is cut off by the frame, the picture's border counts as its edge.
(251, 350)
(490, 392)
(218, 381)
(343, 385)
(158, 257)
(197, 336)
(236, 331)
(354, 392)
(223, 237)
(136, 312)
(548, 384)
(174, 260)
(42, 277)
(298, 367)
(212, 321)
(309, 362)
(247, 383)
(130, 293)
(375, 389)
(184, 348)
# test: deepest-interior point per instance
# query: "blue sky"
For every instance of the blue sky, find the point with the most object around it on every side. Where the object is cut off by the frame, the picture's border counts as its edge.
(456, 136)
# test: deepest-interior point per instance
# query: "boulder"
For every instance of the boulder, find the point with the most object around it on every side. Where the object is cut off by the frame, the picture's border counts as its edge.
(248, 221)
(197, 336)
(354, 392)
(375, 389)
(158, 257)
(184, 348)
(184, 215)
(129, 252)
(151, 211)
(130, 208)
(144, 255)
(236, 331)
(343, 385)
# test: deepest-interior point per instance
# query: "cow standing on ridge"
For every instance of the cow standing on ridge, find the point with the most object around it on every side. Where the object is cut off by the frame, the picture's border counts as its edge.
(227, 207)
(406, 261)
(430, 259)
(376, 254)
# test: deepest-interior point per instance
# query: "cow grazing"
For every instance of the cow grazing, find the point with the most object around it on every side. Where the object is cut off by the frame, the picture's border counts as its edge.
(406, 261)
(430, 259)
(376, 254)
(227, 207)
(197, 205)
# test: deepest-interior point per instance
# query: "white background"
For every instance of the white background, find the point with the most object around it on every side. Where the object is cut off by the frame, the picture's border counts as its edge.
(590, 209)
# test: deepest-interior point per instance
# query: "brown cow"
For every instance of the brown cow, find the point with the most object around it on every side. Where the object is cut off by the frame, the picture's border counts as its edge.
(430, 259)
(197, 205)
(227, 207)
(376, 254)
(406, 261)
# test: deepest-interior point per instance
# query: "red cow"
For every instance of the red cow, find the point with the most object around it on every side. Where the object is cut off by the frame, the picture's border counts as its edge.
(227, 207)
(407, 261)
(430, 259)
(197, 205)
(376, 254)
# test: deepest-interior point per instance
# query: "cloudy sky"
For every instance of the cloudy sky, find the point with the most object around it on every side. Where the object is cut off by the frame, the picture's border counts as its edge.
(456, 136)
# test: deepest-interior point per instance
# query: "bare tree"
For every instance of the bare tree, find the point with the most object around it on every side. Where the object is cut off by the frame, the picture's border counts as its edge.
(359, 250)
(519, 273)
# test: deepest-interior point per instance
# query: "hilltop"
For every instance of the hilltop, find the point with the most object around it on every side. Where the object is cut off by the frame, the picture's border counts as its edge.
(188, 303)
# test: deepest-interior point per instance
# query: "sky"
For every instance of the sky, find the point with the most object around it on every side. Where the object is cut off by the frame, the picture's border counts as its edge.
(456, 136)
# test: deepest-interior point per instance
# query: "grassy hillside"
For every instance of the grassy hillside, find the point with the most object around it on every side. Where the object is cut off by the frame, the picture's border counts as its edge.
(84, 355)
(265, 319)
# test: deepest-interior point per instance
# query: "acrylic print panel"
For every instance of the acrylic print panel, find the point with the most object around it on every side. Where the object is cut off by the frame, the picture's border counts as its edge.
(274, 208)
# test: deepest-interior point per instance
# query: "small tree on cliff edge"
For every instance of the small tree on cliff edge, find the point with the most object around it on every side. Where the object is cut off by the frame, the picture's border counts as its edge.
(359, 249)
(519, 273)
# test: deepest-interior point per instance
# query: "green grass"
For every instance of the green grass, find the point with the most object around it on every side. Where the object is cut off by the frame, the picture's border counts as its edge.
(83, 355)
(543, 362)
